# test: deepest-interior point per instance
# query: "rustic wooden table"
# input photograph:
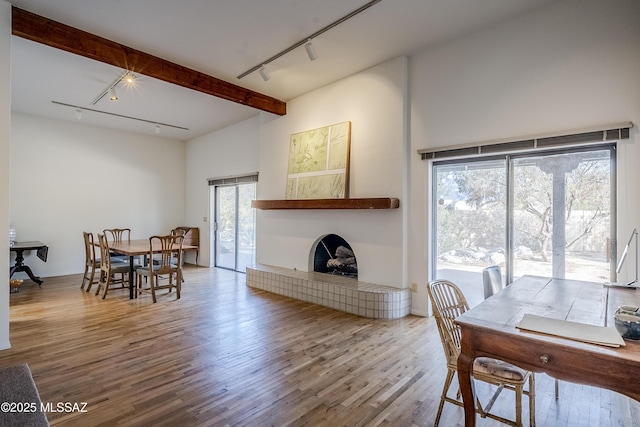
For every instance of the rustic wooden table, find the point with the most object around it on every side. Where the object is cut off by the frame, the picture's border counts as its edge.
(489, 330)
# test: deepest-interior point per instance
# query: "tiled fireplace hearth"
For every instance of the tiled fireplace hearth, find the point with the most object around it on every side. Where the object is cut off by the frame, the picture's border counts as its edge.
(334, 291)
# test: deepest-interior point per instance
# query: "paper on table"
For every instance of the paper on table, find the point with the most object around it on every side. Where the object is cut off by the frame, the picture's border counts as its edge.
(572, 330)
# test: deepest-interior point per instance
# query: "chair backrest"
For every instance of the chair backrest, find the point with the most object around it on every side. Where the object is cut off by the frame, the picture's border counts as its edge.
(105, 258)
(491, 280)
(169, 259)
(448, 302)
(89, 248)
(118, 234)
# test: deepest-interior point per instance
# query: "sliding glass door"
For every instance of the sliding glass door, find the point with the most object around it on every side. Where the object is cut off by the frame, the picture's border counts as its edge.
(543, 214)
(561, 215)
(234, 226)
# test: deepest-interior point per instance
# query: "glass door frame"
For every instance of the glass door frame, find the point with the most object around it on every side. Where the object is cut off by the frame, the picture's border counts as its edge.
(509, 243)
(236, 226)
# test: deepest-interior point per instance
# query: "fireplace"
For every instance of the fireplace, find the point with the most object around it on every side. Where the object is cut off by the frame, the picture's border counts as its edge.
(333, 255)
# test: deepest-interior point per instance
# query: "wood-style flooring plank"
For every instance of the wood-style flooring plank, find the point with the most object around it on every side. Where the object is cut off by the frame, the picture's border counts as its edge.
(228, 355)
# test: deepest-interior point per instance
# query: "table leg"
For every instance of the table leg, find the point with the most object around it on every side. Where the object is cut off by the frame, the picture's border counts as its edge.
(465, 371)
(19, 266)
(131, 278)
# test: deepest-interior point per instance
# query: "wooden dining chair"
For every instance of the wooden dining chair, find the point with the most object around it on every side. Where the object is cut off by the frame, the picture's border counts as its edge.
(448, 302)
(117, 235)
(191, 237)
(91, 262)
(157, 258)
(109, 268)
(166, 270)
(179, 232)
(491, 280)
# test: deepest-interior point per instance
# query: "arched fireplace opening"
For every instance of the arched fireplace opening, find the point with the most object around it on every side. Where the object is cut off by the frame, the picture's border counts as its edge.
(333, 255)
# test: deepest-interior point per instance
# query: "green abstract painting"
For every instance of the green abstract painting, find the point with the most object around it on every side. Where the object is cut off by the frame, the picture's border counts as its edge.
(318, 165)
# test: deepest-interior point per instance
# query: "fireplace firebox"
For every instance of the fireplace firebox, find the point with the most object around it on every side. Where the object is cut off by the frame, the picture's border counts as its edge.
(333, 255)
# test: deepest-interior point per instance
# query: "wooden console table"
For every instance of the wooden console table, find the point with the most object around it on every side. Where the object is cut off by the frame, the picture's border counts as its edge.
(19, 248)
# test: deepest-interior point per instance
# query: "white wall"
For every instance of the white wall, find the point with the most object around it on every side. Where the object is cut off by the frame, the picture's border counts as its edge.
(571, 64)
(567, 65)
(373, 101)
(67, 177)
(232, 151)
(5, 155)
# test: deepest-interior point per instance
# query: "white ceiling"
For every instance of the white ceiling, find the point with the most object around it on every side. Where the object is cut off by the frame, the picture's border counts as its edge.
(224, 38)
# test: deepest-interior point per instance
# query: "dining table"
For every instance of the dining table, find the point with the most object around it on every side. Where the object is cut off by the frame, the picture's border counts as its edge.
(139, 247)
(494, 328)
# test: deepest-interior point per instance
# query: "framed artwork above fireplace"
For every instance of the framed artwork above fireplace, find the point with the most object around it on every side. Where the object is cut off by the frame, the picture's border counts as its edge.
(318, 166)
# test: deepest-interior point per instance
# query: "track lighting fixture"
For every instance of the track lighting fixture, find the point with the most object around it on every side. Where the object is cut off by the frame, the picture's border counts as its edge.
(264, 73)
(306, 42)
(78, 110)
(129, 80)
(311, 51)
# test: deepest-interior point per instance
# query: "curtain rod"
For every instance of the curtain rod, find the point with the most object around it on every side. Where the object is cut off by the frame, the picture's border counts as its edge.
(558, 134)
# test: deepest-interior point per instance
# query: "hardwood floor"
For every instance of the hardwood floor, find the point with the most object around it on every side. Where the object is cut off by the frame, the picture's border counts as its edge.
(225, 354)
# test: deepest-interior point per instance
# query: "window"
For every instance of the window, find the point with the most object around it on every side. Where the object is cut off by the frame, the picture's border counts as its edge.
(541, 213)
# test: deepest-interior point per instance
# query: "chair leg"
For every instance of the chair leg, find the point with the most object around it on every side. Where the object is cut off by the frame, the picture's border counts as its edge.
(445, 389)
(178, 284)
(93, 276)
(519, 405)
(532, 399)
(557, 390)
(152, 286)
(84, 277)
(106, 286)
(493, 399)
(100, 282)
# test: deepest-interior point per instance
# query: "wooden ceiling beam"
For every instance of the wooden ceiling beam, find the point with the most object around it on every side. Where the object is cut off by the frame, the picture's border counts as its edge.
(55, 34)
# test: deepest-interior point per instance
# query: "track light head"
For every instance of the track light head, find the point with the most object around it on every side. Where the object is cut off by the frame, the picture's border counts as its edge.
(264, 73)
(130, 78)
(157, 129)
(78, 113)
(112, 94)
(311, 51)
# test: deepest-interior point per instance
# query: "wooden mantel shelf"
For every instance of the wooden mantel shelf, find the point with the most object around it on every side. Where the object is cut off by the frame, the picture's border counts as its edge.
(368, 203)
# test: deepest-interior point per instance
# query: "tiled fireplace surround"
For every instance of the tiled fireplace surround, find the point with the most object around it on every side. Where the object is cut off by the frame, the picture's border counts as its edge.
(334, 291)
